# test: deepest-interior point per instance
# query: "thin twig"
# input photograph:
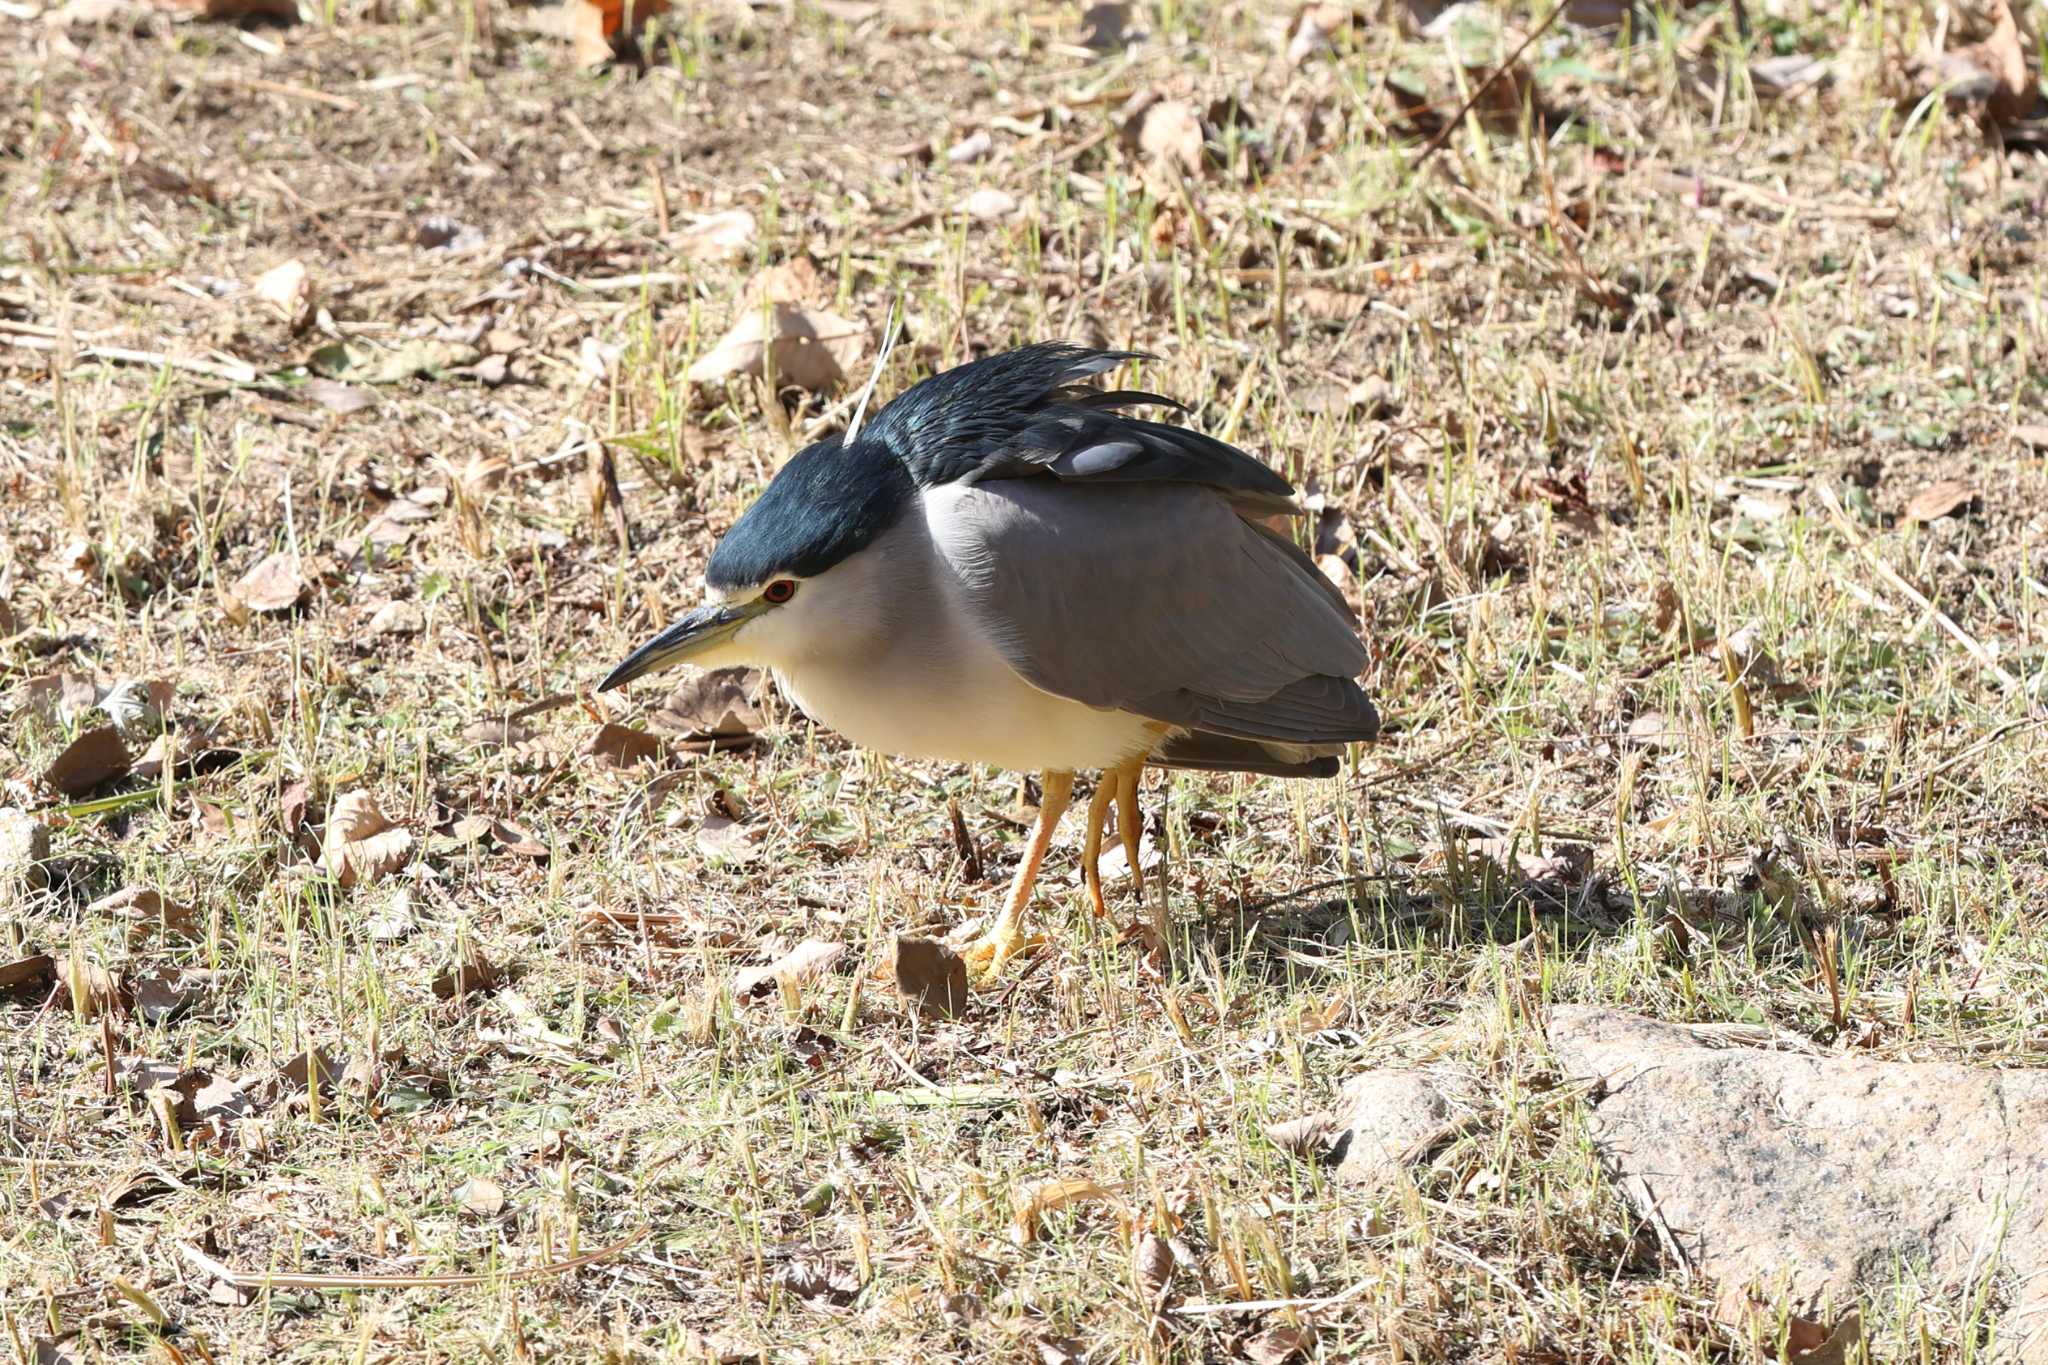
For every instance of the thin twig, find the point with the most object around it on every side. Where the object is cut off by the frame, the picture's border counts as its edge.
(1443, 134)
(1971, 645)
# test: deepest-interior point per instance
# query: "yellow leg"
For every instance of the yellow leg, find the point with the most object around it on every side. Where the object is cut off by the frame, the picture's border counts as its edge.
(986, 955)
(1129, 826)
(1091, 852)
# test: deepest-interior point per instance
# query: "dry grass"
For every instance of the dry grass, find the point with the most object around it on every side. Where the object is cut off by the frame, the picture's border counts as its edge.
(1629, 350)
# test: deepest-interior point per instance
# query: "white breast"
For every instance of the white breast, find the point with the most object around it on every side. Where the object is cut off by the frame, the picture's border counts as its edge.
(923, 681)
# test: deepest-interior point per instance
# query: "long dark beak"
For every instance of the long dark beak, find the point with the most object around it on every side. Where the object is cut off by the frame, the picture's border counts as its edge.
(695, 633)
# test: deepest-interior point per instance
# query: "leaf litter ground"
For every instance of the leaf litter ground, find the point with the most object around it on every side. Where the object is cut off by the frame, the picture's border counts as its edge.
(1683, 450)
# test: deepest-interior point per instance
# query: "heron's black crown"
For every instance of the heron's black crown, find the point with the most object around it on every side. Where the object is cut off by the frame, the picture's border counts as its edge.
(1017, 414)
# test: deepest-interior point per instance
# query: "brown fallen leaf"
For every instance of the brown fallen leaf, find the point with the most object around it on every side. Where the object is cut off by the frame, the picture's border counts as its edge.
(147, 907)
(472, 973)
(1940, 499)
(89, 988)
(30, 976)
(338, 397)
(989, 204)
(796, 280)
(1152, 1264)
(162, 992)
(1029, 1203)
(803, 963)
(58, 698)
(317, 1065)
(619, 747)
(808, 347)
(1279, 1345)
(1307, 1137)
(718, 236)
(2003, 57)
(1313, 25)
(233, 11)
(275, 583)
(1169, 132)
(291, 806)
(361, 845)
(95, 757)
(719, 705)
(931, 976)
(817, 1282)
(2032, 435)
(288, 289)
(730, 840)
(497, 733)
(480, 1197)
(600, 29)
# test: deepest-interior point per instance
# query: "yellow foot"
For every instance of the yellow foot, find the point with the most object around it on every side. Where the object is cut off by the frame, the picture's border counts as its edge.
(986, 955)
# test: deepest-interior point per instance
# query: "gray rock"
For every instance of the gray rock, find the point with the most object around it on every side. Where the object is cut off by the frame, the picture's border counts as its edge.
(24, 848)
(1382, 1120)
(1823, 1175)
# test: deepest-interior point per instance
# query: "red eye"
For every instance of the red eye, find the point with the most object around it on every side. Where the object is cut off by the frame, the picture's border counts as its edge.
(780, 591)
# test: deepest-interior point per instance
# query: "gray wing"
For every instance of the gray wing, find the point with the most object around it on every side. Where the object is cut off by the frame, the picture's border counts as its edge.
(1161, 600)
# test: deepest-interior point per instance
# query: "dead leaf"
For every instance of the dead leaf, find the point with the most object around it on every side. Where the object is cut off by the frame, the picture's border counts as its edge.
(163, 992)
(1061, 1351)
(2034, 436)
(1313, 25)
(931, 976)
(318, 1064)
(810, 348)
(233, 11)
(275, 583)
(729, 840)
(361, 845)
(147, 906)
(95, 757)
(2002, 57)
(1170, 133)
(1653, 729)
(392, 921)
(480, 1197)
(497, 733)
(1307, 1137)
(989, 204)
(472, 973)
(417, 357)
(796, 280)
(599, 28)
(620, 747)
(58, 698)
(1029, 1203)
(288, 289)
(89, 988)
(801, 964)
(1279, 1345)
(28, 976)
(1152, 1264)
(396, 618)
(718, 704)
(718, 236)
(337, 397)
(1809, 1343)
(291, 806)
(1940, 499)
(818, 1282)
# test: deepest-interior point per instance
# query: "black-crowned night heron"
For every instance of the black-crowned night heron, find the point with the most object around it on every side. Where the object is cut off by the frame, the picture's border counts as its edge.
(1001, 567)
